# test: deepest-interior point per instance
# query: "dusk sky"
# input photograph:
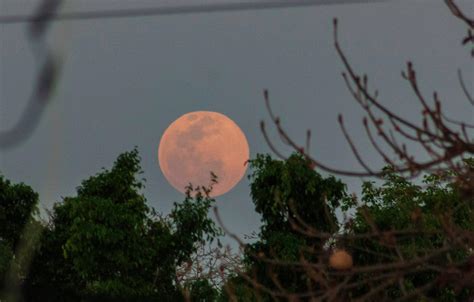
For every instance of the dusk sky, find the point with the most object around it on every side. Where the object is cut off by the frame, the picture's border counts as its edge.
(125, 80)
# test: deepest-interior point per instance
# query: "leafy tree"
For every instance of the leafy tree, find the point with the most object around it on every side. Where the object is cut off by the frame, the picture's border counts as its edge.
(18, 204)
(107, 244)
(401, 237)
(285, 193)
(6, 255)
(423, 235)
(425, 213)
(238, 289)
(201, 291)
(18, 207)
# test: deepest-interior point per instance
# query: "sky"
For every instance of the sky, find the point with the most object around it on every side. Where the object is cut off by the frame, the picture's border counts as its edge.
(125, 80)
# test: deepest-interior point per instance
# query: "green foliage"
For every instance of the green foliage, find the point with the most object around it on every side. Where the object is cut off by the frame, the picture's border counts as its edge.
(6, 255)
(18, 204)
(201, 291)
(18, 207)
(285, 192)
(238, 288)
(190, 223)
(51, 277)
(106, 244)
(400, 205)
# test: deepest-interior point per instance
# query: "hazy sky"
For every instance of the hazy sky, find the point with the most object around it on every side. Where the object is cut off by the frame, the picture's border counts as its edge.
(125, 80)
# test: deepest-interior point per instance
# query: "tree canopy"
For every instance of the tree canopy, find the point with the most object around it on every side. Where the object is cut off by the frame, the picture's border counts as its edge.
(18, 207)
(400, 237)
(106, 243)
(417, 220)
(285, 193)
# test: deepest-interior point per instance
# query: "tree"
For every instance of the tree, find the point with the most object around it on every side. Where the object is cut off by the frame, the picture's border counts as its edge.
(201, 291)
(18, 204)
(107, 244)
(405, 240)
(18, 207)
(285, 193)
(419, 239)
(448, 148)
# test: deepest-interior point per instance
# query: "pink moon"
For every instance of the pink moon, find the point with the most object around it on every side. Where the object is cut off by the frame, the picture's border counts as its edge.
(200, 142)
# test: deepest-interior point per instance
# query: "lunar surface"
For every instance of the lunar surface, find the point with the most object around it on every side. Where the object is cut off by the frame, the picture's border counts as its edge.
(200, 142)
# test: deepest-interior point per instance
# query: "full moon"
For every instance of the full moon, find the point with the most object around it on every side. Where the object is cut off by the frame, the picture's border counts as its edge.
(199, 143)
